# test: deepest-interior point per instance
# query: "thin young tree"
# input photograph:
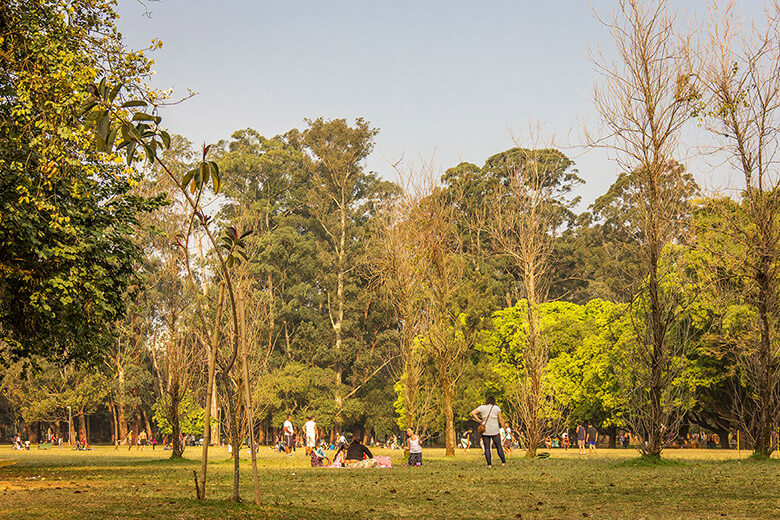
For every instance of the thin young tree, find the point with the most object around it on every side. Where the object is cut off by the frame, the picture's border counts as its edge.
(109, 118)
(741, 77)
(644, 99)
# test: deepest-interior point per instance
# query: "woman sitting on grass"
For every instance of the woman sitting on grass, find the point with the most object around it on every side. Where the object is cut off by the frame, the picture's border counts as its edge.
(340, 457)
(319, 459)
(357, 453)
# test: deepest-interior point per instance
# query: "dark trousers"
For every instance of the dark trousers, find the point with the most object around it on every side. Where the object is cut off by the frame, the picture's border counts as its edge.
(496, 439)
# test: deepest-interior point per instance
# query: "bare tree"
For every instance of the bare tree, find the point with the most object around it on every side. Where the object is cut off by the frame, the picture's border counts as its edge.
(644, 100)
(741, 79)
(522, 218)
(443, 268)
(395, 267)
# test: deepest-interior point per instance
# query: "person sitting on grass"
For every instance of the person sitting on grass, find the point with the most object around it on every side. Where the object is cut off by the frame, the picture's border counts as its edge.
(340, 457)
(316, 460)
(415, 448)
(358, 456)
(465, 440)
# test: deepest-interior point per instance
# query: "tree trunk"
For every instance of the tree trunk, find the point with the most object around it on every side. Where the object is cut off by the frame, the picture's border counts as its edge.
(214, 347)
(215, 413)
(449, 416)
(235, 440)
(114, 429)
(247, 395)
(763, 435)
(338, 322)
(654, 436)
(177, 446)
(723, 438)
(534, 360)
(121, 417)
(82, 426)
(612, 432)
(147, 425)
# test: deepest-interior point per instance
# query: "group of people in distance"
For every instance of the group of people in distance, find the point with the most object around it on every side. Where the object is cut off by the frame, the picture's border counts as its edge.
(348, 455)
(493, 430)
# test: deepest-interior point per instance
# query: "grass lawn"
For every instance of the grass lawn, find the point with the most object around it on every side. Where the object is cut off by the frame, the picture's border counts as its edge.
(104, 483)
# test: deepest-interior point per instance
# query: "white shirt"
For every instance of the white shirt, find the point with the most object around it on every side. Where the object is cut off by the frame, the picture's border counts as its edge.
(490, 421)
(310, 427)
(288, 428)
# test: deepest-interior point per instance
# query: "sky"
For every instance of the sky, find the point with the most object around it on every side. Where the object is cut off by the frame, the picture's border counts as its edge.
(444, 81)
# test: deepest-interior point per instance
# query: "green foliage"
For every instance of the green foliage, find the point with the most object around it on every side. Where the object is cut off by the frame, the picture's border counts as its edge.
(584, 343)
(41, 390)
(67, 210)
(191, 415)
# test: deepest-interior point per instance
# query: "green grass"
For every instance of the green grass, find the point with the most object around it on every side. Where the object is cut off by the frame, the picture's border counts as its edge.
(104, 483)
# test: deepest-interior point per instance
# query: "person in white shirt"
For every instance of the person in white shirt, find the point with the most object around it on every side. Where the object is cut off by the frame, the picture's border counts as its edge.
(489, 415)
(310, 431)
(507, 438)
(288, 435)
(413, 444)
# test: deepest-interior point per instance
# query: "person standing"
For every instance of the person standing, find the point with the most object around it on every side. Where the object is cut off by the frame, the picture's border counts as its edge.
(415, 448)
(310, 432)
(593, 437)
(289, 435)
(489, 416)
(581, 437)
(508, 440)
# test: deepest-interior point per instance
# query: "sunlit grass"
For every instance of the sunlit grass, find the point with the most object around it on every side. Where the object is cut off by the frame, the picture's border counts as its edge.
(104, 483)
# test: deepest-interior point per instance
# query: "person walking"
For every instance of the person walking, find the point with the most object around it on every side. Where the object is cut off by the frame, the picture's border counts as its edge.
(509, 440)
(289, 433)
(581, 437)
(415, 448)
(593, 437)
(310, 432)
(490, 418)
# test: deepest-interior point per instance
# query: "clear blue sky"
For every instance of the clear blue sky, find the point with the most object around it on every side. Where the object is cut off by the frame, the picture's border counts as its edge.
(448, 79)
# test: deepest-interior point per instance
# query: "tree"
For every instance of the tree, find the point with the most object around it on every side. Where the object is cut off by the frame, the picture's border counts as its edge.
(586, 342)
(443, 267)
(522, 219)
(741, 81)
(68, 213)
(644, 101)
(396, 268)
(341, 197)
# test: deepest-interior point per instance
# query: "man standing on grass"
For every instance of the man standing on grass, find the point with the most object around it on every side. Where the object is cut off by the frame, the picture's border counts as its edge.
(581, 437)
(593, 437)
(288, 435)
(310, 432)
